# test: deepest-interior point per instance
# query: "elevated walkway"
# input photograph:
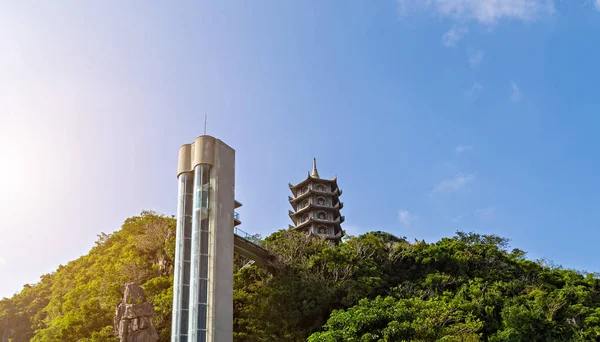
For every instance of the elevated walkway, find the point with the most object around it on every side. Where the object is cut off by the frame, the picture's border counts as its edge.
(246, 247)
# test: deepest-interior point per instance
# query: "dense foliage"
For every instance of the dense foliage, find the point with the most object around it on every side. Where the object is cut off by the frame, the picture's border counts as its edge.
(378, 287)
(78, 301)
(375, 287)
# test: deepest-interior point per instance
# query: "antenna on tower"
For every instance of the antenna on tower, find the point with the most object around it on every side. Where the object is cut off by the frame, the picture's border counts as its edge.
(205, 115)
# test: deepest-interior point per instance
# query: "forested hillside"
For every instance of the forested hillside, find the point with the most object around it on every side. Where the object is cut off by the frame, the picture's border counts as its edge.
(375, 287)
(78, 301)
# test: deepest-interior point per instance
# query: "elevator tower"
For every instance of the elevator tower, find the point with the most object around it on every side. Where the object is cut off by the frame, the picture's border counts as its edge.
(203, 277)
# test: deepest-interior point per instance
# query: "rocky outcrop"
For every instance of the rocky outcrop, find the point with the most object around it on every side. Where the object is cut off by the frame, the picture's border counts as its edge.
(133, 319)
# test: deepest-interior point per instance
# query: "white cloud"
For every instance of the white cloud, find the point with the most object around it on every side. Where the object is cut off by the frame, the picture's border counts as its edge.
(2, 262)
(483, 11)
(453, 35)
(460, 181)
(516, 91)
(463, 148)
(406, 217)
(475, 57)
(487, 213)
(473, 92)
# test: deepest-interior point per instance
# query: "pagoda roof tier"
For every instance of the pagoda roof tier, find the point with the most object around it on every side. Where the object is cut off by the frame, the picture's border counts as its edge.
(310, 179)
(337, 207)
(294, 214)
(336, 193)
(337, 222)
(335, 237)
(314, 176)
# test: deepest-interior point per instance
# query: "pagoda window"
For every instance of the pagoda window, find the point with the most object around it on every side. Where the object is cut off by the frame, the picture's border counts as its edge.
(302, 205)
(322, 215)
(322, 230)
(320, 187)
(321, 201)
(304, 190)
(305, 217)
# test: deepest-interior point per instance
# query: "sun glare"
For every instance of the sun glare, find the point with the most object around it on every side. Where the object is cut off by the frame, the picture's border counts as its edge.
(13, 166)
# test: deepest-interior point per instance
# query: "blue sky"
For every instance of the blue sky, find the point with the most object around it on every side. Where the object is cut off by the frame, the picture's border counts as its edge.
(436, 116)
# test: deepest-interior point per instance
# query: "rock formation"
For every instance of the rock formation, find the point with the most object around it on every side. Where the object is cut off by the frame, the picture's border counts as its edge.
(133, 319)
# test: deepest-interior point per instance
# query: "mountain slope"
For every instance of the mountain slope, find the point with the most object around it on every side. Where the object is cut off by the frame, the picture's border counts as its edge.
(77, 302)
(375, 287)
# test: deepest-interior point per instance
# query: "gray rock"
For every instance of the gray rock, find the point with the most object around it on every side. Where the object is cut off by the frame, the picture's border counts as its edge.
(134, 294)
(138, 310)
(145, 322)
(133, 318)
(142, 336)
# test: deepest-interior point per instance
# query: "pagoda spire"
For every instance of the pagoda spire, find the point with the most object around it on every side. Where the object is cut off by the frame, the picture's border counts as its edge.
(315, 174)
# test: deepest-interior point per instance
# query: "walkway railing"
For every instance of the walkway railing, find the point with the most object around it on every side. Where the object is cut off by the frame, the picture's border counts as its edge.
(255, 239)
(251, 247)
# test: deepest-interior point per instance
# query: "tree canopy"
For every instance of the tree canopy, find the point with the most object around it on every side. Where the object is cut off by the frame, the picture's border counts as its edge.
(373, 287)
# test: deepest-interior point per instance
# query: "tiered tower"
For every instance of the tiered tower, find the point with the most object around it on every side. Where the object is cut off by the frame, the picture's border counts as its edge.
(316, 206)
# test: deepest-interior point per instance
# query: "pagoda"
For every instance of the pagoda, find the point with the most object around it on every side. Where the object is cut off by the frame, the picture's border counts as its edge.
(316, 206)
